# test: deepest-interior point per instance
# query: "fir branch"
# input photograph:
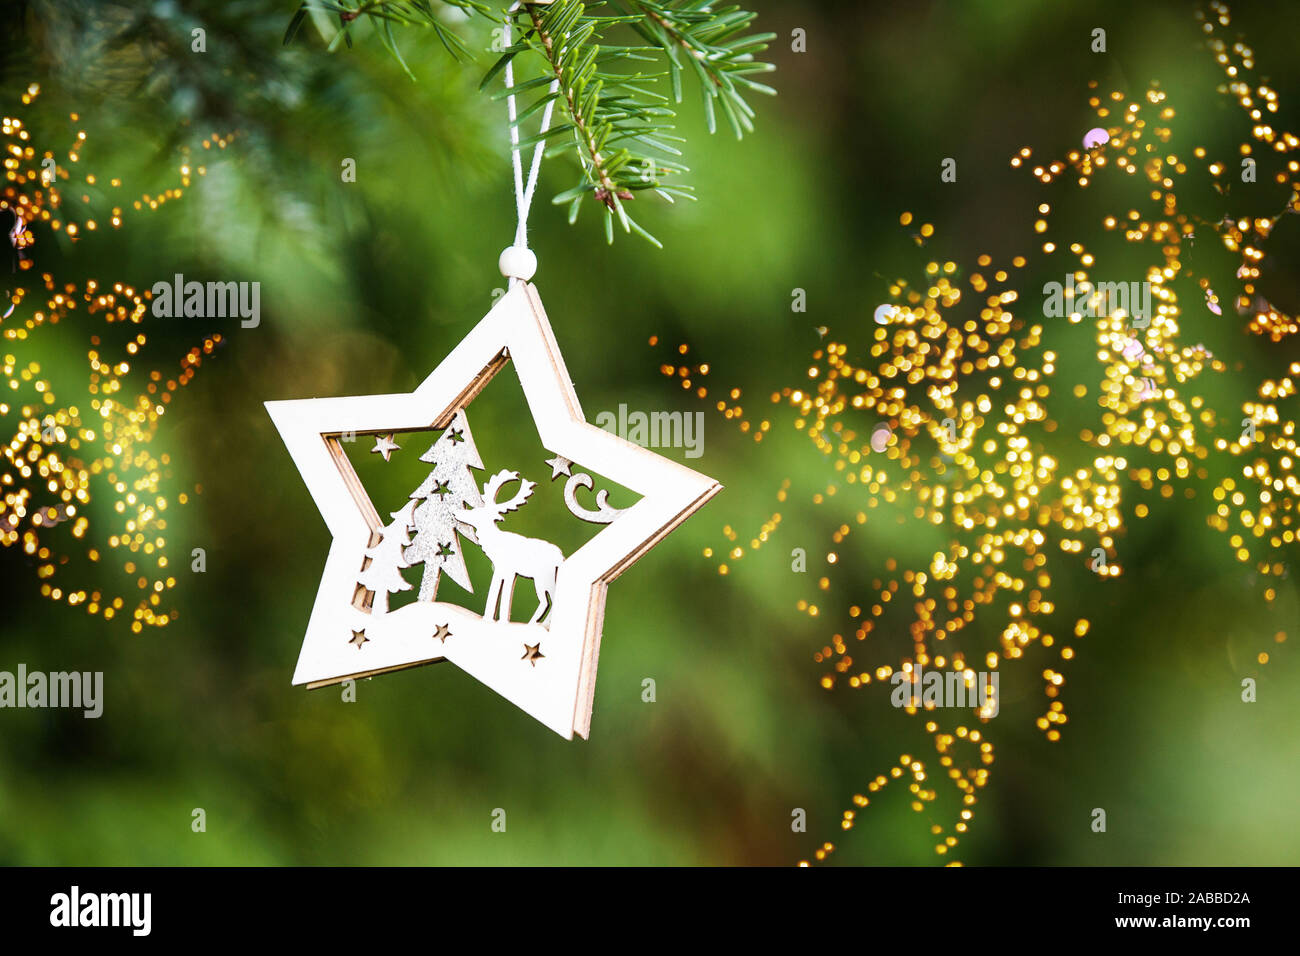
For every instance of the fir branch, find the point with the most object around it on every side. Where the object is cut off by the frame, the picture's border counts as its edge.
(382, 14)
(714, 45)
(616, 122)
(593, 116)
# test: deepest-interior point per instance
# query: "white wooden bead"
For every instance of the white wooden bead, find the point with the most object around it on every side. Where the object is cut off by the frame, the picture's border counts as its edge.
(517, 262)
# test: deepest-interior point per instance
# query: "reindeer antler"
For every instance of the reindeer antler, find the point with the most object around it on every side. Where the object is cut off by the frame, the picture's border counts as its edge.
(494, 485)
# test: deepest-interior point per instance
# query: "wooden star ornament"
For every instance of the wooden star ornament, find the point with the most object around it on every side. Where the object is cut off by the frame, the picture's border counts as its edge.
(554, 681)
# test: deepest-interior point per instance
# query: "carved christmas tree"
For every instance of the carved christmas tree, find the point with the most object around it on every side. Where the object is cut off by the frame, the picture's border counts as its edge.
(382, 572)
(449, 487)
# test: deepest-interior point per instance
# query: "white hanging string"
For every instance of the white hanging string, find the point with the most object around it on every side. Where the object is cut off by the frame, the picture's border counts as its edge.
(518, 262)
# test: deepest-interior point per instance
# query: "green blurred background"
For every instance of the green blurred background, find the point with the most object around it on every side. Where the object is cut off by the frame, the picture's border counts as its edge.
(366, 286)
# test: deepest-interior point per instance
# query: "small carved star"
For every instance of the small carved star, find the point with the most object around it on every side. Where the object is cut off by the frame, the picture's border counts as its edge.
(532, 653)
(456, 435)
(359, 638)
(444, 550)
(385, 445)
(559, 466)
(440, 488)
(442, 633)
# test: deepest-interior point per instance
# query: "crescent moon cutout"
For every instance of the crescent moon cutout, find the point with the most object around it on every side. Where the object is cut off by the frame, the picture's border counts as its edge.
(603, 514)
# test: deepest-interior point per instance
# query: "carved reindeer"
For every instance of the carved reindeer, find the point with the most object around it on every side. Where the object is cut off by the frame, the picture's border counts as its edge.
(512, 555)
